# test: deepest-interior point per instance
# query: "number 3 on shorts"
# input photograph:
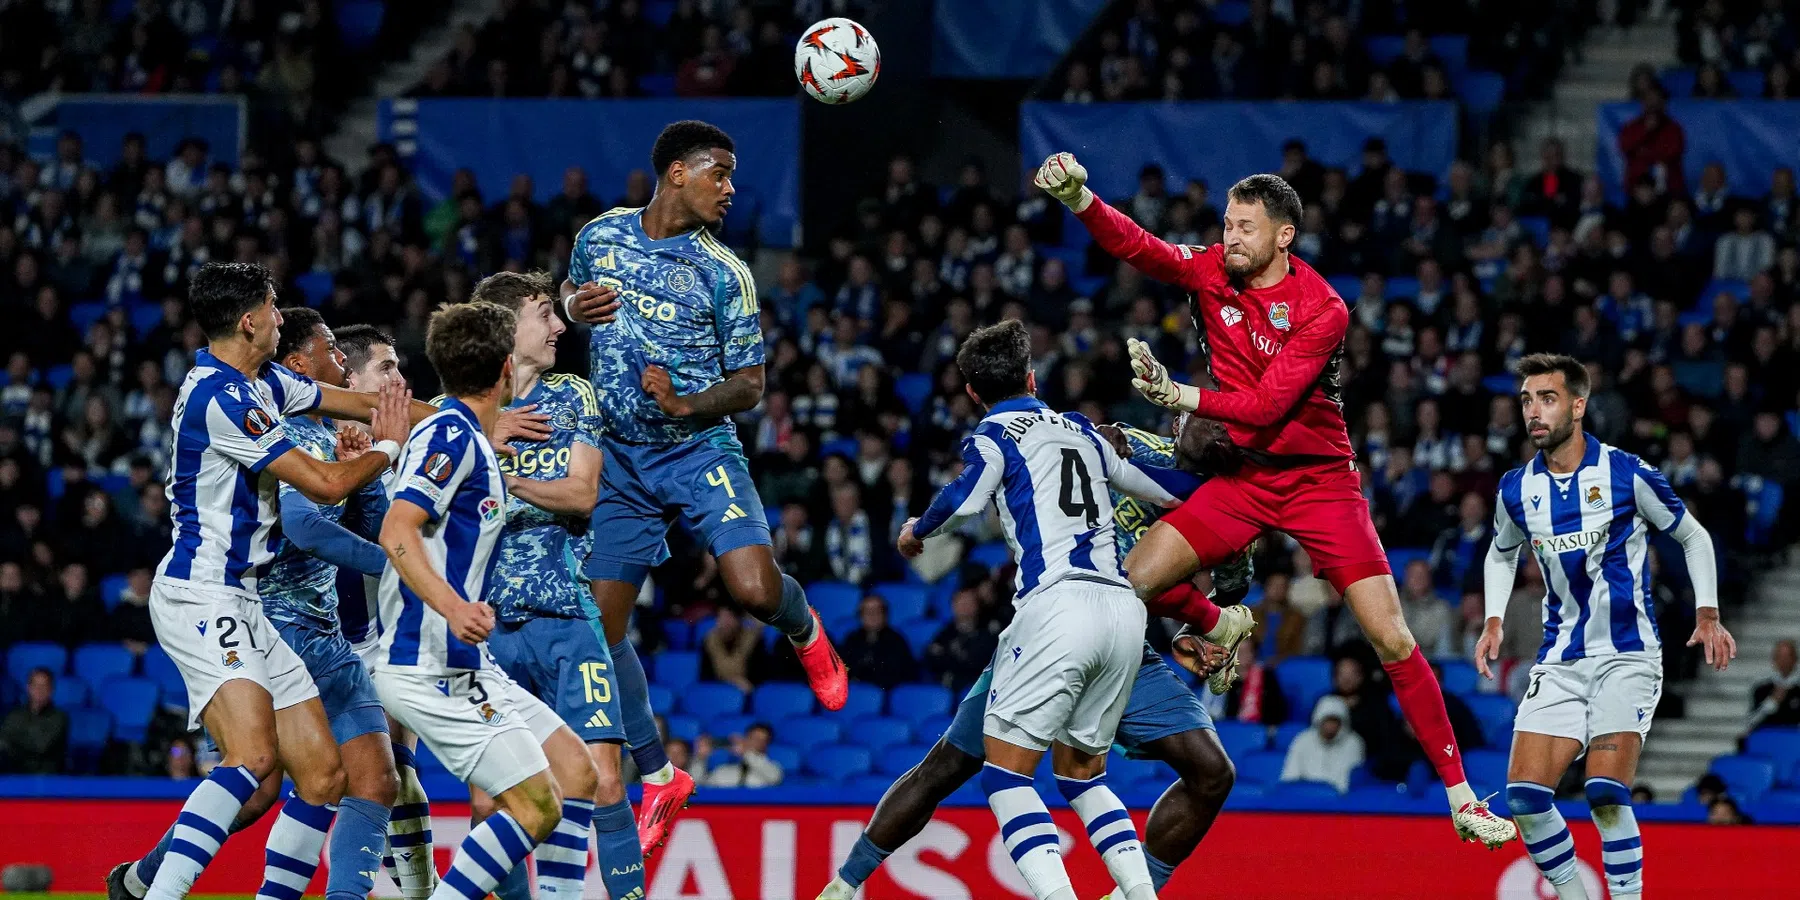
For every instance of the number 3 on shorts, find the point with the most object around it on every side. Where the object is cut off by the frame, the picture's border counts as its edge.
(718, 478)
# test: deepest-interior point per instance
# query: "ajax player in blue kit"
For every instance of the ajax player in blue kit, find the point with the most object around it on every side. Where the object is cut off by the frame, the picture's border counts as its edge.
(548, 636)
(1586, 510)
(677, 349)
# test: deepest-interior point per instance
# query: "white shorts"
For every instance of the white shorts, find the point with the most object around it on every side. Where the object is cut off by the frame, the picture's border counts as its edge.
(1586, 698)
(215, 636)
(1065, 666)
(369, 651)
(462, 715)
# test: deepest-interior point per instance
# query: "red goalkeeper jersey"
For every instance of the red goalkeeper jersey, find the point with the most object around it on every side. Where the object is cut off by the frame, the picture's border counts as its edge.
(1273, 351)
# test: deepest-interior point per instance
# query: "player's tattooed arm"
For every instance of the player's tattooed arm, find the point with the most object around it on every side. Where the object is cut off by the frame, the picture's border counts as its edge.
(741, 390)
(402, 538)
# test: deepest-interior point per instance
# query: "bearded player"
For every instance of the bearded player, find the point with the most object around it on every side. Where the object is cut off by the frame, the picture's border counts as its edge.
(1273, 329)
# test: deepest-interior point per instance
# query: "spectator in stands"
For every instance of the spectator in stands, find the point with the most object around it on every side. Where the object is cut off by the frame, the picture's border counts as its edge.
(964, 646)
(875, 652)
(1770, 451)
(129, 622)
(1326, 752)
(1428, 616)
(180, 762)
(752, 767)
(733, 651)
(849, 542)
(1257, 695)
(1332, 630)
(34, 736)
(1745, 251)
(1724, 811)
(1555, 191)
(1369, 716)
(1776, 699)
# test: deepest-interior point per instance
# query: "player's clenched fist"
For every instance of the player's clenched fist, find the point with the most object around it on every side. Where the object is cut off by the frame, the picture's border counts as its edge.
(661, 388)
(1153, 381)
(1063, 178)
(471, 621)
(592, 303)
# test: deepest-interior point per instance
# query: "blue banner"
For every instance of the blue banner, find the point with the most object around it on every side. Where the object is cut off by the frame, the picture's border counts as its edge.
(1223, 142)
(1005, 38)
(1750, 138)
(103, 120)
(497, 139)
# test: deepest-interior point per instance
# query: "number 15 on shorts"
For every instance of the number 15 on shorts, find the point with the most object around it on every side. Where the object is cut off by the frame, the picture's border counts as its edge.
(597, 688)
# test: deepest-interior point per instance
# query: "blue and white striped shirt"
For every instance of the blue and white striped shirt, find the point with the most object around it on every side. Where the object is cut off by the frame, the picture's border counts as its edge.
(448, 470)
(226, 430)
(1051, 475)
(1588, 530)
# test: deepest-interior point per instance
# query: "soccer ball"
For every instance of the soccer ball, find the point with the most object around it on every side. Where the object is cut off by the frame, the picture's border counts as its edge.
(836, 60)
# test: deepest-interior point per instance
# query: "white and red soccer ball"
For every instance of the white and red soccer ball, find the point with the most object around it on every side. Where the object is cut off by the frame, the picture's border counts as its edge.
(836, 60)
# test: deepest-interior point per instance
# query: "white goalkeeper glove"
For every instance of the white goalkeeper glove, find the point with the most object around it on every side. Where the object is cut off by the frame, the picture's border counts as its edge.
(1065, 179)
(1154, 383)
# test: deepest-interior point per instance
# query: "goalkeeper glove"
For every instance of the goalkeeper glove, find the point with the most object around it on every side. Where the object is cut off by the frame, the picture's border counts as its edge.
(1154, 383)
(1065, 179)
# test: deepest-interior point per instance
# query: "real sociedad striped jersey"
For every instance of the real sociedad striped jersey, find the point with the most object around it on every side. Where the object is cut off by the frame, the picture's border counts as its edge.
(1050, 475)
(448, 470)
(226, 430)
(1588, 530)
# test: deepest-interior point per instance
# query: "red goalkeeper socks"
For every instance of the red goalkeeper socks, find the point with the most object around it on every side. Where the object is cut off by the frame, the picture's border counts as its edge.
(1422, 703)
(1188, 604)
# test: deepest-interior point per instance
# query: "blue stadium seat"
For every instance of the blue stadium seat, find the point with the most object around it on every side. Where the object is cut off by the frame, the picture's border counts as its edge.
(724, 727)
(1121, 772)
(1453, 49)
(359, 22)
(158, 667)
(930, 728)
(110, 588)
(1481, 92)
(71, 693)
(1495, 713)
(1286, 732)
(1401, 557)
(1764, 511)
(781, 700)
(897, 760)
(685, 727)
(1736, 287)
(1747, 82)
(1349, 287)
(708, 700)
(1260, 768)
(98, 662)
(84, 315)
(905, 601)
(1361, 778)
(917, 702)
(1243, 738)
(1780, 746)
(1538, 227)
(35, 655)
(428, 761)
(881, 733)
(1679, 81)
(914, 389)
(654, 85)
(1486, 769)
(676, 669)
(89, 731)
(1384, 48)
(661, 698)
(1307, 790)
(864, 700)
(788, 758)
(1420, 776)
(1745, 776)
(1231, 13)
(868, 786)
(316, 286)
(659, 12)
(58, 377)
(839, 447)
(680, 632)
(807, 732)
(144, 318)
(1402, 287)
(840, 626)
(132, 702)
(1305, 679)
(840, 761)
(833, 598)
(1460, 676)
(991, 555)
(918, 633)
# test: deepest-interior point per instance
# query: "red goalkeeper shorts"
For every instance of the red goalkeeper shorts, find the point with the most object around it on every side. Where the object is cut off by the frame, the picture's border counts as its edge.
(1320, 506)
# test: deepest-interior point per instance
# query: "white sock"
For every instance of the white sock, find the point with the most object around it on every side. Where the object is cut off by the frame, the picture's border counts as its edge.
(1030, 836)
(486, 855)
(291, 857)
(1546, 837)
(1112, 833)
(663, 775)
(562, 857)
(1460, 795)
(134, 884)
(409, 853)
(204, 822)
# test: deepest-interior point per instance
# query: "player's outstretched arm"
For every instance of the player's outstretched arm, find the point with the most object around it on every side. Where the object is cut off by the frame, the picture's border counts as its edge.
(573, 494)
(1065, 179)
(741, 390)
(309, 529)
(358, 406)
(331, 482)
(403, 539)
(967, 495)
(1290, 376)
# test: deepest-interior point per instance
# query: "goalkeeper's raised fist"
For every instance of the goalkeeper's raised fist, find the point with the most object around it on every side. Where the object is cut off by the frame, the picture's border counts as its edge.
(1063, 178)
